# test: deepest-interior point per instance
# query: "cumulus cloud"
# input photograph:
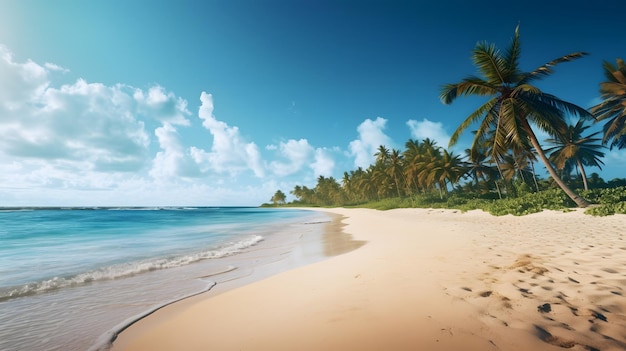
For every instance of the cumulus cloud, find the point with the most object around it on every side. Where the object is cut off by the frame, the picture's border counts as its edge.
(229, 152)
(324, 163)
(61, 144)
(371, 136)
(91, 125)
(172, 161)
(85, 135)
(162, 106)
(297, 154)
(423, 129)
(21, 82)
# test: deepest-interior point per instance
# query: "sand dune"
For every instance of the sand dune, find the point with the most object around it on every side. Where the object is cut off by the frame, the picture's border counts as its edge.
(425, 280)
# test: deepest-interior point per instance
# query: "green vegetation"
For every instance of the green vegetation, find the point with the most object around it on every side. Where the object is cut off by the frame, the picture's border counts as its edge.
(611, 109)
(515, 108)
(521, 200)
(279, 198)
(497, 173)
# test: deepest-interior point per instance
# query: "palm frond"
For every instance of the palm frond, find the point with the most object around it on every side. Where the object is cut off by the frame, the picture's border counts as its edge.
(513, 54)
(490, 63)
(612, 88)
(473, 117)
(468, 86)
(613, 73)
(615, 129)
(546, 69)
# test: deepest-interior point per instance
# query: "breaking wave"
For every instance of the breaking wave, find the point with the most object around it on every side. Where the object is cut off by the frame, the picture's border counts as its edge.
(127, 269)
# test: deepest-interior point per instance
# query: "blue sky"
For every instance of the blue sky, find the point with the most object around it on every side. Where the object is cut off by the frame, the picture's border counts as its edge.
(116, 102)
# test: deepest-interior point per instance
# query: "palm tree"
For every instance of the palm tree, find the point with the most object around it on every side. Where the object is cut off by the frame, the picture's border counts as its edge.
(328, 191)
(514, 103)
(479, 168)
(427, 163)
(412, 155)
(366, 184)
(395, 168)
(613, 108)
(278, 198)
(448, 168)
(573, 150)
(382, 155)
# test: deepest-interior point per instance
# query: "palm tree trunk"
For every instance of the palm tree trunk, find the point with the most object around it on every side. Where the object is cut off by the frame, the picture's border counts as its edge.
(397, 185)
(506, 190)
(583, 175)
(532, 166)
(495, 181)
(580, 202)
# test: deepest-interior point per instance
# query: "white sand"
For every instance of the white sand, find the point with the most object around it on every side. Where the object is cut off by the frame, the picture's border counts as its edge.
(425, 280)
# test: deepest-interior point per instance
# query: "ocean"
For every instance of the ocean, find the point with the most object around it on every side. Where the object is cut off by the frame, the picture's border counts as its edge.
(72, 278)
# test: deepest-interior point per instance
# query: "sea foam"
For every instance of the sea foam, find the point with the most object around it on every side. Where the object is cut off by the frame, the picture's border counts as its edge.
(127, 269)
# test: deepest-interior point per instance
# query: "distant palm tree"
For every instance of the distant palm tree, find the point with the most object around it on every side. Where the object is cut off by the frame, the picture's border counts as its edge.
(514, 103)
(427, 163)
(572, 150)
(479, 168)
(382, 155)
(613, 106)
(447, 168)
(366, 184)
(412, 155)
(278, 198)
(395, 168)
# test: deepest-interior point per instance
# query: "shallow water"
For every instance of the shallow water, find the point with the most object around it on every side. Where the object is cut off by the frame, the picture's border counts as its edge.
(78, 315)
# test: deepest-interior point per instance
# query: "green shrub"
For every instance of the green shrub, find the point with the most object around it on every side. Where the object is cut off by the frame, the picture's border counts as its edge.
(605, 195)
(607, 209)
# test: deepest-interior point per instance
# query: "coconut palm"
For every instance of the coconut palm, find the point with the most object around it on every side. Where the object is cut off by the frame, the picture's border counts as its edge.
(366, 184)
(514, 103)
(613, 107)
(395, 168)
(278, 198)
(427, 163)
(447, 168)
(479, 168)
(382, 155)
(412, 155)
(572, 150)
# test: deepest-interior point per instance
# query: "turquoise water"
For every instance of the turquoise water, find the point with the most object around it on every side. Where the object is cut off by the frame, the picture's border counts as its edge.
(71, 272)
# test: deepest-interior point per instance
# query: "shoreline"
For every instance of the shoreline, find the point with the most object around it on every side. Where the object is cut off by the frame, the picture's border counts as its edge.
(427, 279)
(288, 251)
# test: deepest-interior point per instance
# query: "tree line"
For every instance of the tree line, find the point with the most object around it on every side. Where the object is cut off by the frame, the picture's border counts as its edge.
(505, 147)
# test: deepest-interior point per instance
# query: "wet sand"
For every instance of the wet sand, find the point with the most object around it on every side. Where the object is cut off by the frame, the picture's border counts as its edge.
(424, 280)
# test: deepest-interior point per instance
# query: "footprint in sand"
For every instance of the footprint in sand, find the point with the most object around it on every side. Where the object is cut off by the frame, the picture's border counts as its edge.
(547, 337)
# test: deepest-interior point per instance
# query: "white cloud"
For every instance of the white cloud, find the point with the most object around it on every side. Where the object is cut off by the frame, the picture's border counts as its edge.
(87, 143)
(371, 136)
(82, 137)
(53, 67)
(162, 106)
(428, 129)
(324, 164)
(81, 122)
(297, 152)
(172, 161)
(229, 152)
(21, 82)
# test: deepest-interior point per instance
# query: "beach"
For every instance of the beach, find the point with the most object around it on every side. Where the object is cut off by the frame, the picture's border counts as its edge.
(424, 279)
(72, 278)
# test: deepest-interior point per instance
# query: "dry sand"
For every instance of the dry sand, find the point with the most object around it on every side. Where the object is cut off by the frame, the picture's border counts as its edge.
(425, 280)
